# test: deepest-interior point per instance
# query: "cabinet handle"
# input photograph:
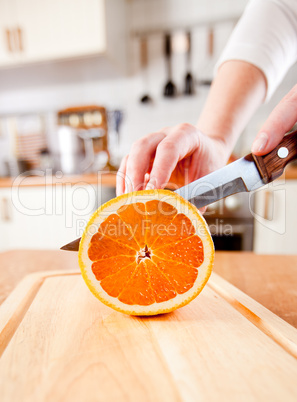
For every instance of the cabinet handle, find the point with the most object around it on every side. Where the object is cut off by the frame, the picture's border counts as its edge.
(8, 40)
(20, 39)
(5, 210)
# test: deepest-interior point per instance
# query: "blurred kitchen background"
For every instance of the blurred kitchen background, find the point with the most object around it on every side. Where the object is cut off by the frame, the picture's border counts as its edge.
(81, 80)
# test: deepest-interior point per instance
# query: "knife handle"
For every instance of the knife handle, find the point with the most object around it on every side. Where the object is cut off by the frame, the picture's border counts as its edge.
(273, 164)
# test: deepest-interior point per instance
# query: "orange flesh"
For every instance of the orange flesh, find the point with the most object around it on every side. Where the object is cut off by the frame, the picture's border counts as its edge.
(146, 253)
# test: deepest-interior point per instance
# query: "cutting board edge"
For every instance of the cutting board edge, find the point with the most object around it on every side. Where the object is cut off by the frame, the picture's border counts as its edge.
(14, 308)
(284, 334)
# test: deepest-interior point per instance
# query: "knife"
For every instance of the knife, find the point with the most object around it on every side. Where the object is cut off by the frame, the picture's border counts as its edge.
(246, 174)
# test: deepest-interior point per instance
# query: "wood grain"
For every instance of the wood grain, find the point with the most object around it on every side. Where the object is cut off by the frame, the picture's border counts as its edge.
(75, 349)
(15, 308)
(269, 279)
(70, 347)
(271, 166)
(16, 264)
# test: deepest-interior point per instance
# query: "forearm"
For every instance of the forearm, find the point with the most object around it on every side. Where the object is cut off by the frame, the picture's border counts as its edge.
(237, 91)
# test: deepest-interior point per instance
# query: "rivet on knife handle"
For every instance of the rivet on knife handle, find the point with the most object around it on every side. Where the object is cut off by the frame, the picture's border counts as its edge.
(273, 164)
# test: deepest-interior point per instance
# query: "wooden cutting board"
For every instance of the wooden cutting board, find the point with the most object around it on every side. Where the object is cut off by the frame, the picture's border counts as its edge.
(59, 343)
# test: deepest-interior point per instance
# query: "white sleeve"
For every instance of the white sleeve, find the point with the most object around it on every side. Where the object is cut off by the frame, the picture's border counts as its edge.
(265, 36)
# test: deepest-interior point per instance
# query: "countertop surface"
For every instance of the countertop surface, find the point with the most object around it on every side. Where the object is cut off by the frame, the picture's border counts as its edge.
(104, 178)
(269, 279)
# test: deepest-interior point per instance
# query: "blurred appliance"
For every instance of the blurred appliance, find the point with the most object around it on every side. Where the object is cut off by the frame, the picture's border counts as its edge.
(83, 139)
(231, 222)
(22, 139)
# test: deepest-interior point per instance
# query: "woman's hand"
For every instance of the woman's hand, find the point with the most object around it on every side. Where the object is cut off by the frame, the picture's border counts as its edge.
(280, 121)
(175, 155)
(183, 153)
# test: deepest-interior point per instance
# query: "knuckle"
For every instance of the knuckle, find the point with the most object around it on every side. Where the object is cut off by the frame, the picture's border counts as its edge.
(150, 136)
(167, 145)
(185, 127)
(142, 142)
(136, 146)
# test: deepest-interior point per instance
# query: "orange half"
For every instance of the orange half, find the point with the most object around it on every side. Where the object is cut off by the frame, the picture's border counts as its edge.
(146, 253)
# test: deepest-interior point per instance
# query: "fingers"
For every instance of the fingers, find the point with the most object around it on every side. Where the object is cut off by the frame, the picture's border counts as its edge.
(120, 182)
(280, 121)
(181, 141)
(166, 148)
(131, 175)
(166, 159)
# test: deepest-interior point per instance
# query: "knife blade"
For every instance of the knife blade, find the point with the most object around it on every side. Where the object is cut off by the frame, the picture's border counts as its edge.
(239, 176)
(245, 174)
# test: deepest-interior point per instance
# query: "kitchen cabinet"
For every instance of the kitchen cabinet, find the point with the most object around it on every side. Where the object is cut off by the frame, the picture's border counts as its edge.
(276, 218)
(47, 217)
(8, 48)
(5, 219)
(35, 31)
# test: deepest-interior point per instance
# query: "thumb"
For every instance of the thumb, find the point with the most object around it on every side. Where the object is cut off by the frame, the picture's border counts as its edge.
(280, 121)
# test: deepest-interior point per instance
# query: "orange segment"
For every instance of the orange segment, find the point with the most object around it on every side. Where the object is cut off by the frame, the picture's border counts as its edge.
(135, 218)
(158, 215)
(188, 251)
(109, 266)
(146, 258)
(178, 229)
(137, 290)
(179, 275)
(114, 284)
(162, 288)
(115, 228)
(104, 247)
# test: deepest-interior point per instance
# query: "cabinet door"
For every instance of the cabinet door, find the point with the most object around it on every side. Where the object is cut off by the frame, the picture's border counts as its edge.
(6, 219)
(47, 217)
(55, 29)
(276, 219)
(9, 50)
(50, 216)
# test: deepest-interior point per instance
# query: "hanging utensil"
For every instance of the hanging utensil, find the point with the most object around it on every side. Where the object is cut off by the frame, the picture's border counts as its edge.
(210, 42)
(144, 67)
(170, 88)
(210, 53)
(189, 80)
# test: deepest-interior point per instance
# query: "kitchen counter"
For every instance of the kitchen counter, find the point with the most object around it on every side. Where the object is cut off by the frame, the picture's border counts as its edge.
(270, 280)
(105, 178)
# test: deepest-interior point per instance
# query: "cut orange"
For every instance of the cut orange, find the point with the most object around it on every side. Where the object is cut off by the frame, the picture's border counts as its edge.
(147, 252)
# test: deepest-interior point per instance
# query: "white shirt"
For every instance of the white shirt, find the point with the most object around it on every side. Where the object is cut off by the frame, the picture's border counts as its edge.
(266, 36)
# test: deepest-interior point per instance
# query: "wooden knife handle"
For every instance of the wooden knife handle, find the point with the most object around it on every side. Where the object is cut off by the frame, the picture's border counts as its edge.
(273, 164)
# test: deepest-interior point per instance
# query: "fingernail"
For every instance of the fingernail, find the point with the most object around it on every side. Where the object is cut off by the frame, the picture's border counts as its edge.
(260, 143)
(150, 186)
